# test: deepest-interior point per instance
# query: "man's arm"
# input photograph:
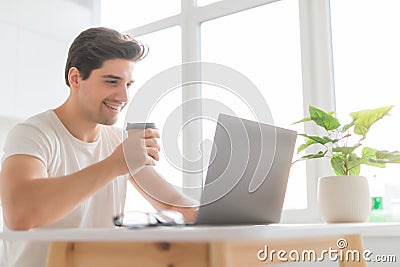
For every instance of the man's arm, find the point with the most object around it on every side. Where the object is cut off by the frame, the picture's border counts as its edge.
(162, 195)
(31, 199)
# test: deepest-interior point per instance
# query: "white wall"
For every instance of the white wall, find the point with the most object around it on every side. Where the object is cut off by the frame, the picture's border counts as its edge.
(34, 39)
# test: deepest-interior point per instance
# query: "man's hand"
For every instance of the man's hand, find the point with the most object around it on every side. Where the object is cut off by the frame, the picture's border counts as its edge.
(152, 145)
(140, 148)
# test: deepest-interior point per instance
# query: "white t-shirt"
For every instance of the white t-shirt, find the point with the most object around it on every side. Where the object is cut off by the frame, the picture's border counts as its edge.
(45, 137)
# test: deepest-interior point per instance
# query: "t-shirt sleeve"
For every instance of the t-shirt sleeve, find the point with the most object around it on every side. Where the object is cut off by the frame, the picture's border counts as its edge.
(29, 140)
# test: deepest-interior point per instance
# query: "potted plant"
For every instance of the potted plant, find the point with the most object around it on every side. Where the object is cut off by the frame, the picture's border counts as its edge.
(345, 197)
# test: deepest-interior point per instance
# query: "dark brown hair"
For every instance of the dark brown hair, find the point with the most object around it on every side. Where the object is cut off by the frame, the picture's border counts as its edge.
(95, 45)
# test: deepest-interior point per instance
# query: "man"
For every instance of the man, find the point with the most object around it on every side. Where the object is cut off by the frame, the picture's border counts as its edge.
(69, 167)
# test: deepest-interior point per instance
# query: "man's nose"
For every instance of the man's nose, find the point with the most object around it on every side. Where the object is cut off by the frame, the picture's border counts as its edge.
(123, 93)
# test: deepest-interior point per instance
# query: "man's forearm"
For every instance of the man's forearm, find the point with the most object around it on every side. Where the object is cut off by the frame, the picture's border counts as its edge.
(163, 195)
(41, 201)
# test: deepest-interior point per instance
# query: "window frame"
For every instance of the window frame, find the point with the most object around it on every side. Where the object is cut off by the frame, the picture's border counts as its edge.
(317, 73)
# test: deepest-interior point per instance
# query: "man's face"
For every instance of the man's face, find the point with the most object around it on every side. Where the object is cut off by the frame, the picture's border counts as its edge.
(106, 92)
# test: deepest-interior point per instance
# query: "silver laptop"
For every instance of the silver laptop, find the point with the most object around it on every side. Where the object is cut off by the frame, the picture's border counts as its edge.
(247, 174)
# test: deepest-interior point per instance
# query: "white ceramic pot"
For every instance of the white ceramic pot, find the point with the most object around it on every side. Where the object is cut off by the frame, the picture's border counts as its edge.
(344, 199)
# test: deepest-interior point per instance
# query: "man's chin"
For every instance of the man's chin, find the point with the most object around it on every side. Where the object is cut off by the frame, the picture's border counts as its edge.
(109, 122)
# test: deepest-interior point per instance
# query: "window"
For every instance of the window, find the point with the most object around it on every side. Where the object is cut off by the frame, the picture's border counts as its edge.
(261, 39)
(162, 55)
(367, 64)
(124, 15)
(263, 44)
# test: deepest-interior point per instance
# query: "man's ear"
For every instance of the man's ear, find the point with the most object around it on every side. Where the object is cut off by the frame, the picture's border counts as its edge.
(73, 77)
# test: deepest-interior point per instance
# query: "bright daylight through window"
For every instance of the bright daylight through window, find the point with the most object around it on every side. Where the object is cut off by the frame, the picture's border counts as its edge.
(262, 42)
(367, 62)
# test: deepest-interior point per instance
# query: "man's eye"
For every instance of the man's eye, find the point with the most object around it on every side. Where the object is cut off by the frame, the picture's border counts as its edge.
(112, 81)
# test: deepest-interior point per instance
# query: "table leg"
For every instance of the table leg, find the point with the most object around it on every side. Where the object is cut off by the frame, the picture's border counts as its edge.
(353, 253)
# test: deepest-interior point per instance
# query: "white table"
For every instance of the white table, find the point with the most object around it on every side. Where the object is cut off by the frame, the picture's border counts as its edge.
(198, 245)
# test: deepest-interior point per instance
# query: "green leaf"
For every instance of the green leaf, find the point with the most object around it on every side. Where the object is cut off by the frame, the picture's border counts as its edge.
(384, 154)
(379, 158)
(321, 140)
(368, 157)
(361, 130)
(302, 120)
(308, 143)
(345, 150)
(368, 153)
(338, 165)
(355, 171)
(323, 119)
(363, 119)
(387, 156)
(329, 140)
(353, 164)
(309, 118)
(347, 126)
(320, 154)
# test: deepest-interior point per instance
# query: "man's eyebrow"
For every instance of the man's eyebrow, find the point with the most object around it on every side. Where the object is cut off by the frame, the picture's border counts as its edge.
(112, 76)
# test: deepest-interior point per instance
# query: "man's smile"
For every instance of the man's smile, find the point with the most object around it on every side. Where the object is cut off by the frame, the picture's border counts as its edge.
(115, 107)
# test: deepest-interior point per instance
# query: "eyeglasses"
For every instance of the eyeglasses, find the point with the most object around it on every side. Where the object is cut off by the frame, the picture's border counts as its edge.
(138, 219)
